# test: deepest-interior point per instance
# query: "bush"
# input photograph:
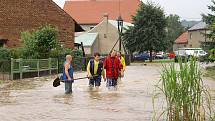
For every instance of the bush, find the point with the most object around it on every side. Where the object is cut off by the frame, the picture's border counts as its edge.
(40, 43)
(16, 53)
(4, 53)
(212, 55)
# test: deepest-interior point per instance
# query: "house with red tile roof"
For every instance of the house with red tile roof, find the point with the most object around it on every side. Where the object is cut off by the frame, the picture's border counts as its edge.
(89, 13)
(181, 41)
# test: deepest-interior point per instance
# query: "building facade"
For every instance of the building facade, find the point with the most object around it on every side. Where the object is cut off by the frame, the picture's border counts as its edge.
(196, 35)
(18, 16)
(107, 37)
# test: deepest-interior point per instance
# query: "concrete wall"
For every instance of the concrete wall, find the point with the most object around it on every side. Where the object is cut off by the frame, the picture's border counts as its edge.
(195, 38)
(25, 15)
(87, 50)
(90, 50)
(176, 46)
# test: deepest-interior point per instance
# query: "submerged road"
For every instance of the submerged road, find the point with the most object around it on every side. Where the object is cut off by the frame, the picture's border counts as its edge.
(37, 100)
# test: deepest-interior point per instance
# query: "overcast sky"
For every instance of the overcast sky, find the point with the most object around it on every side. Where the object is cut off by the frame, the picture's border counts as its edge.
(186, 9)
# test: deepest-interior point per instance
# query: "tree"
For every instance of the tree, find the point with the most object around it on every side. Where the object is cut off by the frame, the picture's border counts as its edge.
(210, 17)
(39, 43)
(210, 20)
(174, 29)
(148, 32)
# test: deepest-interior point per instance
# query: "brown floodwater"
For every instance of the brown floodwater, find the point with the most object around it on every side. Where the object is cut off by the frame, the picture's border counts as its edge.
(37, 100)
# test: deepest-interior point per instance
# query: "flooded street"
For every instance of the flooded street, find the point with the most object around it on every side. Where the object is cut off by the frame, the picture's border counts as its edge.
(42, 102)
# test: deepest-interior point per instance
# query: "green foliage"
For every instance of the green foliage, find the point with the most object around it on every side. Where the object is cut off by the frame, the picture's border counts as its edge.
(186, 96)
(16, 53)
(210, 18)
(4, 54)
(39, 43)
(212, 55)
(174, 29)
(148, 32)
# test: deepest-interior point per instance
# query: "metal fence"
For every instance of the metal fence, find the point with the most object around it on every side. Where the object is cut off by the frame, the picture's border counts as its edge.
(26, 68)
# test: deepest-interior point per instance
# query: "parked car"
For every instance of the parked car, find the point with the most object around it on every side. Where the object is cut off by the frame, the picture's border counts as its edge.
(171, 55)
(188, 52)
(142, 56)
(161, 55)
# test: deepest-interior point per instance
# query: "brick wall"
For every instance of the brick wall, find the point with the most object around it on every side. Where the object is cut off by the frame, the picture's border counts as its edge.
(17, 16)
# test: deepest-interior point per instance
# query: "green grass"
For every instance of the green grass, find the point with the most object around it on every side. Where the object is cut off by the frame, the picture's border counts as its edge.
(210, 72)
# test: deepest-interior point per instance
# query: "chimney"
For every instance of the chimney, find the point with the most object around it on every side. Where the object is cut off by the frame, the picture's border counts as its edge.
(105, 16)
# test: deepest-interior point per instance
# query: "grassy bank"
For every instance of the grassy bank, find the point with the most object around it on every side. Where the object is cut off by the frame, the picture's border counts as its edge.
(210, 72)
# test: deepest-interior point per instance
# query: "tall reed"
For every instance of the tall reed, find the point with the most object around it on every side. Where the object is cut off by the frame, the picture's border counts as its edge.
(185, 95)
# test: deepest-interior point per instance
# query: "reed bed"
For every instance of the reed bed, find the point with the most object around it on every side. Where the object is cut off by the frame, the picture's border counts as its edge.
(187, 99)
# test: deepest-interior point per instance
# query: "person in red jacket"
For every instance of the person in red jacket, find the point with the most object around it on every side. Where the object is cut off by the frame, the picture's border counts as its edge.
(113, 66)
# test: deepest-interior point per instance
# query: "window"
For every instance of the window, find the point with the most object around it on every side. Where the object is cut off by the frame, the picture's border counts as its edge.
(191, 36)
(1, 44)
(105, 36)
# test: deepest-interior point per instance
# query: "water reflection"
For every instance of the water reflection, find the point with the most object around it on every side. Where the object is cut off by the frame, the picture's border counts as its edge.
(94, 93)
(63, 98)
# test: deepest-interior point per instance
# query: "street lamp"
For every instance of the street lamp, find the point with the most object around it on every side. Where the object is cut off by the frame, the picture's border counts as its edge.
(120, 29)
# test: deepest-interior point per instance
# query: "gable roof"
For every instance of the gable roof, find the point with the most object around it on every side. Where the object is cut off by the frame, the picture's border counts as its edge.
(182, 39)
(199, 26)
(115, 24)
(92, 11)
(87, 38)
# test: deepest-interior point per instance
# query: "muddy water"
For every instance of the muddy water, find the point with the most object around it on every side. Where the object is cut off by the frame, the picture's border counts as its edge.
(131, 102)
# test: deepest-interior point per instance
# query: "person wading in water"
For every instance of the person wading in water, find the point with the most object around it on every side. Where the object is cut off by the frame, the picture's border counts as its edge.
(68, 74)
(122, 60)
(95, 71)
(113, 66)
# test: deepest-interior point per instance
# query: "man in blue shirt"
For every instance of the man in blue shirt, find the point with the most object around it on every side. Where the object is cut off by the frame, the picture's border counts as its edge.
(68, 74)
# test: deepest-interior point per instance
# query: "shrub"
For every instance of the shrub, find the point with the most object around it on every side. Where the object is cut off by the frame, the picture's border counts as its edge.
(16, 53)
(39, 43)
(212, 55)
(4, 53)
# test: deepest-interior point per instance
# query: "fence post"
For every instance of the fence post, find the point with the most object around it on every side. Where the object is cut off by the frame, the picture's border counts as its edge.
(38, 67)
(50, 66)
(20, 68)
(11, 68)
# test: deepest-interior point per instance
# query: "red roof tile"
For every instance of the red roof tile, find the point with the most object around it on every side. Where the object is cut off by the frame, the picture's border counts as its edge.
(92, 11)
(182, 39)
